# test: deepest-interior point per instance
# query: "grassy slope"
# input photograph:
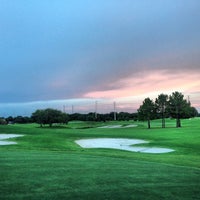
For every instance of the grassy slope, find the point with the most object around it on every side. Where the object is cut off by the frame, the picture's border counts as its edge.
(47, 164)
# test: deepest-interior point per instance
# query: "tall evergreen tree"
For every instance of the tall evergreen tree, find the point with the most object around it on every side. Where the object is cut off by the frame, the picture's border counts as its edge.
(147, 111)
(177, 106)
(161, 104)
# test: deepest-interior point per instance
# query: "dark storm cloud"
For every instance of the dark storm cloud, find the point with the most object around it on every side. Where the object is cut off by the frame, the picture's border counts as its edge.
(65, 49)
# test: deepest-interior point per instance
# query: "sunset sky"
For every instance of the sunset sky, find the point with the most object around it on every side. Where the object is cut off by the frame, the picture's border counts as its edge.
(56, 52)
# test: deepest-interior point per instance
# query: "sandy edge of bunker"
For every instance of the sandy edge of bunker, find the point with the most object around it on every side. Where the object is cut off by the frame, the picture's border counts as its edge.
(121, 144)
(119, 126)
(4, 136)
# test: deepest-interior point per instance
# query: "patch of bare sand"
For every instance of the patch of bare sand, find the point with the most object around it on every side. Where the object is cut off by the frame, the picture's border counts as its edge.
(122, 144)
(119, 126)
(8, 136)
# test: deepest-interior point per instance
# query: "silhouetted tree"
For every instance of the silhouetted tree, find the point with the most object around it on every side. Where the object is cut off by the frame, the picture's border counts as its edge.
(193, 112)
(10, 120)
(161, 104)
(49, 116)
(147, 111)
(3, 121)
(22, 120)
(178, 106)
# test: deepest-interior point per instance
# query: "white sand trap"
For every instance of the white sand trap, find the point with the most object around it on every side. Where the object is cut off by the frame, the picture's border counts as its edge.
(111, 126)
(130, 126)
(122, 144)
(8, 136)
(119, 126)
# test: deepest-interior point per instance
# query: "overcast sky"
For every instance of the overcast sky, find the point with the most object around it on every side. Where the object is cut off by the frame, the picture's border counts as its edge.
(104, 49)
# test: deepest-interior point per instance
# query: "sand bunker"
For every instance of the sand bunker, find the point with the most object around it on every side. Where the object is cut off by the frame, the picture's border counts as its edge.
(122, 144)
(8, 136)
(119, 126)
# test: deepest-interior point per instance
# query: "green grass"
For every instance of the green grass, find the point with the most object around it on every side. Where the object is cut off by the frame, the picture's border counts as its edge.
(47, 164)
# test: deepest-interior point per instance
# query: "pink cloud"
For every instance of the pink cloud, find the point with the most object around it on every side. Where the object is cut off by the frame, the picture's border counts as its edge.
(152, 84)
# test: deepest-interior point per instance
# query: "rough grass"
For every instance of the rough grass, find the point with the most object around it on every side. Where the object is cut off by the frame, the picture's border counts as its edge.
(47, 164)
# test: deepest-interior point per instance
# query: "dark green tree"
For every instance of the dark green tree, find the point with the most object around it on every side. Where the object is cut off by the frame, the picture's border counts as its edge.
(49, 116)
(3, 121)
(10, 119)
(178, 107)
(39, 117)
(193, 112)
(22, 120)
(147, 111)
(161, 105)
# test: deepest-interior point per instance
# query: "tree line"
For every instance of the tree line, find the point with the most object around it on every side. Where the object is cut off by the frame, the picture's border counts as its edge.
(51, 116)
(164, 106)
(173, 106)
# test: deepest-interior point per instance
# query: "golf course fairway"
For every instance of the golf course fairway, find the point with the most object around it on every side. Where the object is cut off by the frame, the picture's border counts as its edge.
(46, 163)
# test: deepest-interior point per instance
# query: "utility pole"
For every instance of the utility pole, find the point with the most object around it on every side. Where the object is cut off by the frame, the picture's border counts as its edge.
(188, 99)
(95, 110)
(114, 104)
(64, 109)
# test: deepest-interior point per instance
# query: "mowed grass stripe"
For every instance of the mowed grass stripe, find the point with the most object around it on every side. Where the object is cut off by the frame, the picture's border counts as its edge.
(51, 175)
